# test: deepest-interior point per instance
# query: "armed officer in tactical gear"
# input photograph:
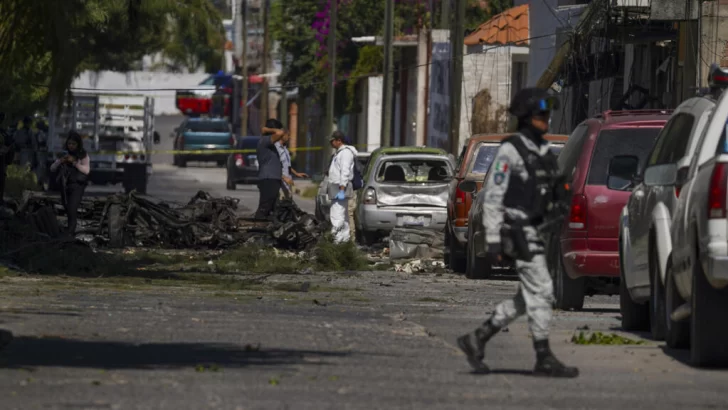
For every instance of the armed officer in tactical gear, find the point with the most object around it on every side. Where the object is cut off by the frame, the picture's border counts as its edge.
(523, 189)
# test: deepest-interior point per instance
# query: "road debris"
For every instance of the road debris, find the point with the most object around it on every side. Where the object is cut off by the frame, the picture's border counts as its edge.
(410, 243)
(204, 222)
(420, 266)
(599, 338)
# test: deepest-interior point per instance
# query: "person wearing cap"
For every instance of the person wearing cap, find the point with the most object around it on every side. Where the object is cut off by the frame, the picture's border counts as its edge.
(269, 168)
(340, 190)
(520, 191)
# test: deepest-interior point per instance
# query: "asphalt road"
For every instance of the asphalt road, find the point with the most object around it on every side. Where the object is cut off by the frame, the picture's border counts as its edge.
(175, 184)
(367, 340)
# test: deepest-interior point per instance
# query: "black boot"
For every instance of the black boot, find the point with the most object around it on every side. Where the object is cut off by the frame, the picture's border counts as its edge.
(548, 365)
(473, 345)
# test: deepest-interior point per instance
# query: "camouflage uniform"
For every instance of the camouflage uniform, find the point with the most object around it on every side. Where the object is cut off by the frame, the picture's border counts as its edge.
(520, 189)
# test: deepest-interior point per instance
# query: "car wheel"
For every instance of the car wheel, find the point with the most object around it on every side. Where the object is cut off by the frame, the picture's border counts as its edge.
(446, 243)
(568, 292)
(181, 162)
(708, 332)
(657, 299)
(457, 263)
(635, 316)
(220, 164)
(476, 268)
(175, 162)
(230, 183)
(369, 238)
(677, 334)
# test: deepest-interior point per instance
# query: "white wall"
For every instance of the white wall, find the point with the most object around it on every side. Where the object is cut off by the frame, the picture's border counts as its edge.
(373, 113)
(159, 85)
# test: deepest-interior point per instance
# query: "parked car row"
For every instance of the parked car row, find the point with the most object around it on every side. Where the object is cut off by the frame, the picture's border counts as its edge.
(673, 231)
(464, 240)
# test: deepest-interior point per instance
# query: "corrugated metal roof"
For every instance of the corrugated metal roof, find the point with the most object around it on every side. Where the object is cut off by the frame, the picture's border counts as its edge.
(509, 27)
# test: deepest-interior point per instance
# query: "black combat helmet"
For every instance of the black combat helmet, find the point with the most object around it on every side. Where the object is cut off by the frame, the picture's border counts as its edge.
(531, 101)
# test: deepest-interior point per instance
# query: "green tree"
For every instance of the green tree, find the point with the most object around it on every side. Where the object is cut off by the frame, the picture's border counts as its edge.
(72, 35)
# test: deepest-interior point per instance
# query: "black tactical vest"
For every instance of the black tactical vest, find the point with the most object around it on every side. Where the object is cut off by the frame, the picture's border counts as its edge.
(533, 195)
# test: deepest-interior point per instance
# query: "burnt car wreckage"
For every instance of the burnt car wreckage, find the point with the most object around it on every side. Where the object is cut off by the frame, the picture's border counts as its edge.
(204, 222)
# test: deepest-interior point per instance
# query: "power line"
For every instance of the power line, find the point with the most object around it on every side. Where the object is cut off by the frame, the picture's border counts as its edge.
(305, 85)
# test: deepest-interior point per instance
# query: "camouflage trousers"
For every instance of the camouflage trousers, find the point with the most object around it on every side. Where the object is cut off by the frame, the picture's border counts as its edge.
(534, 298)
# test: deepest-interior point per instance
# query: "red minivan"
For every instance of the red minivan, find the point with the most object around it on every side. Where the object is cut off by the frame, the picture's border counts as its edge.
(585, 258)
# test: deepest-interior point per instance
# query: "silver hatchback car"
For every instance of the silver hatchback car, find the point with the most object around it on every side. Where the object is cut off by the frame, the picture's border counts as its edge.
(404, 190)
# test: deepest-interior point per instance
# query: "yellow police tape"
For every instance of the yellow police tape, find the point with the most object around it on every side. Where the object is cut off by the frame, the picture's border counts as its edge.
(211, 151)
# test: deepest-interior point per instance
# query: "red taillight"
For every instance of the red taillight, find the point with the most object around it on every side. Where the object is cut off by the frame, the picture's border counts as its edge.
(677, 191)
(577, 216)
(239, 161)
(232, 141)
(459, 196)
(717, 195)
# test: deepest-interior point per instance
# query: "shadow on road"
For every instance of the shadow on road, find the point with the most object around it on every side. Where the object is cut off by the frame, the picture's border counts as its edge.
(601, 310)
(504, 372)
(681, 355)
(31, 352)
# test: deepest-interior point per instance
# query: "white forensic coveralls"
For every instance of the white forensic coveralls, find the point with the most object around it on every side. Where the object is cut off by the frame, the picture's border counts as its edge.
(341, 173)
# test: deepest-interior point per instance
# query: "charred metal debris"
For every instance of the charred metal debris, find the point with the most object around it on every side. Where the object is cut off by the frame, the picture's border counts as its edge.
(130, 220)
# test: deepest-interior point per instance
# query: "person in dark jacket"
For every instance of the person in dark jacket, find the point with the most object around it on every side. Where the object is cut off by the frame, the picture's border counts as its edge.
(269, 168)
(73, 170)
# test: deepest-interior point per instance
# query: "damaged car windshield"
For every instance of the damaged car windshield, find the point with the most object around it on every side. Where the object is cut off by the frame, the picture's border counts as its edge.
(413, 170)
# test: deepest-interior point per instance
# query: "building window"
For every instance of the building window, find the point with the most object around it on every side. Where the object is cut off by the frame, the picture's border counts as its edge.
(519, 77)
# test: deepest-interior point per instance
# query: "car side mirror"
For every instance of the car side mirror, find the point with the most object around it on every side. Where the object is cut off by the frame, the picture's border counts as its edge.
(468, 186)
(621, 172)
(661, 175)
(682, 176)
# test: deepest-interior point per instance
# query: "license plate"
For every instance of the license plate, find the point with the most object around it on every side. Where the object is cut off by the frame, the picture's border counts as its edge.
(410, 220)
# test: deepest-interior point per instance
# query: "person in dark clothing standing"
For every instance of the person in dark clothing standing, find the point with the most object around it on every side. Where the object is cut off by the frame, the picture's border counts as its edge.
(7, 152)
(73, 169)
(269, 168)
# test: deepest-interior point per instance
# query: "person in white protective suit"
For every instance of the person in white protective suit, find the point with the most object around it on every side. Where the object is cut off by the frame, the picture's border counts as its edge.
(525, 192)
(340, 189)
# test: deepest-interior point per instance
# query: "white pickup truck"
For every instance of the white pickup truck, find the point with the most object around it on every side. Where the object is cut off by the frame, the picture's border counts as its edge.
(696, 276)
(118, 133)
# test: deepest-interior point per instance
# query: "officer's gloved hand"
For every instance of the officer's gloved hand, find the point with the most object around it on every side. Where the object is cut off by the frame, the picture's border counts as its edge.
(340, 196)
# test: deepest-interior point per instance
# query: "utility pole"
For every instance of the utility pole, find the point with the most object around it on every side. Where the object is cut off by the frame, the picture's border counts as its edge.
(592, 17)
(265, 63)
(457, 41)
(387, 109)
(445, 15)
(331, 85)
(244, 73)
